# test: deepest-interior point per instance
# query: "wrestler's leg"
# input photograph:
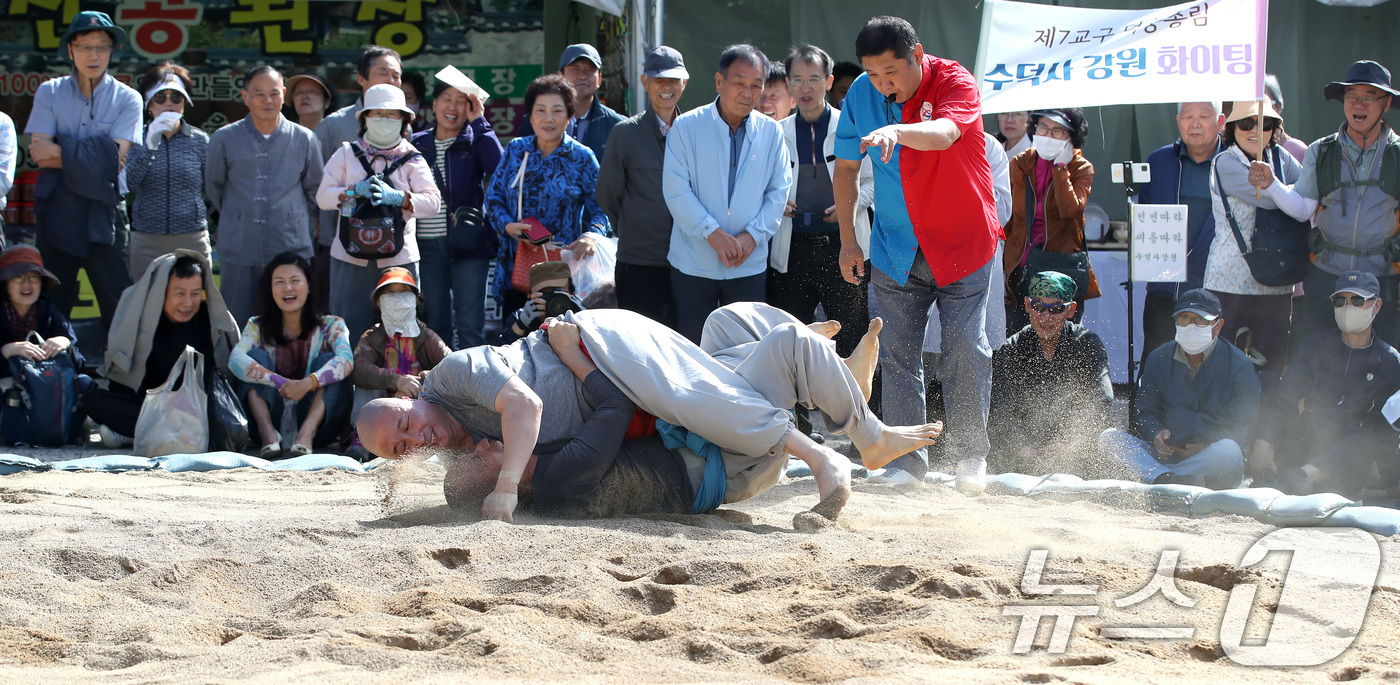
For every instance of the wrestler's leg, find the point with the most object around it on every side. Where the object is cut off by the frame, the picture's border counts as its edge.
(792, 365)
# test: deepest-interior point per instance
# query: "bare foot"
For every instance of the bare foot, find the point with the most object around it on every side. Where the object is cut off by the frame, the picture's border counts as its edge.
(826, 329)
(898, 441)
(832, 471)
(833, 476)
(863, 359)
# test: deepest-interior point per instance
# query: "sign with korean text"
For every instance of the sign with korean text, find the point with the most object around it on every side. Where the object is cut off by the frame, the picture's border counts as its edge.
(1159, 243)
(1033, 56)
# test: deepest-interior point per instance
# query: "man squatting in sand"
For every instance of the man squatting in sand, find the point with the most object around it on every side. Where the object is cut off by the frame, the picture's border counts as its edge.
(535, 400)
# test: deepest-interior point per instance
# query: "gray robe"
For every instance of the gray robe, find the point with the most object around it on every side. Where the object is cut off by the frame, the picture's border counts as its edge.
(264, 190)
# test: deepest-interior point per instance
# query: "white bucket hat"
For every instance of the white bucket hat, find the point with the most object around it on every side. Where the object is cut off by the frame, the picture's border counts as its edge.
(384, 96)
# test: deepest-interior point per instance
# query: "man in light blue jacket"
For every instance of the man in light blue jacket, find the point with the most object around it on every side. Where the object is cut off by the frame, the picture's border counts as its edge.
(726, 181)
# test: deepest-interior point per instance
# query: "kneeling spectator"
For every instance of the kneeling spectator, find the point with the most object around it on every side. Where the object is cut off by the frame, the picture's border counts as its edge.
(290, 351)
(1326, 413)
(1051, 390)
(1197, 402)
(546, 279)
(175, 304)
(393, 358)
(29, 314)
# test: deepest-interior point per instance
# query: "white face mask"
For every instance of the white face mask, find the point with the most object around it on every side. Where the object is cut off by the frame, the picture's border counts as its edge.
(1354, 319)
(1194, 339)
(383, 132)
(399, 312)
(1049, 148)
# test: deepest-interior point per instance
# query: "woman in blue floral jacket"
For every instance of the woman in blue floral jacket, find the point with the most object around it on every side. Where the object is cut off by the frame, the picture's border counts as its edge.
(548, 176)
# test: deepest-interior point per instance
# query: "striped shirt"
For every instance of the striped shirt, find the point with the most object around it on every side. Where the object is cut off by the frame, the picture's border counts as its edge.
(436, 226)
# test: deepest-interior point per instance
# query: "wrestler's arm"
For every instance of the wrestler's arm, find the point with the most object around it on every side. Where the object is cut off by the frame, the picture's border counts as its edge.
(520, 409)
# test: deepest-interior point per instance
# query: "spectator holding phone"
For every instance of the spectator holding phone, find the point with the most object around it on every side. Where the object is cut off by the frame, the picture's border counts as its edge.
(543, 195)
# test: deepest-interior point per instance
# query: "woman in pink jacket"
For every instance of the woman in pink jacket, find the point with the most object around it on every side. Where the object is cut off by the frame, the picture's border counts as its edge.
(408, 185)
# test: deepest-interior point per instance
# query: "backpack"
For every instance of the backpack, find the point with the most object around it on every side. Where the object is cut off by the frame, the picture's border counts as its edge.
(41, 407)
(374, 231)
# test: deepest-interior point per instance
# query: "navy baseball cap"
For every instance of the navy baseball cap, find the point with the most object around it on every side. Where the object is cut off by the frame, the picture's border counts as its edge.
(1199, 301)
(1359, 282)
(579, 51)
(665, 62)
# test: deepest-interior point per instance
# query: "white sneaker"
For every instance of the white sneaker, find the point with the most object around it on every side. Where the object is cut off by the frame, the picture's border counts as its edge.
(972, 477)
(112, 439)
(893, 475)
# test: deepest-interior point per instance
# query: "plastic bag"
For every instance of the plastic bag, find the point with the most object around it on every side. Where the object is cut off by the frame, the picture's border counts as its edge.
(595, 269)
(175, 421)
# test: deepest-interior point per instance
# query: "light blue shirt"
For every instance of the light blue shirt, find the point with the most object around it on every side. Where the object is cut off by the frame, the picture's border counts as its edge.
(697, 189)
(60, 110)
(9, 146)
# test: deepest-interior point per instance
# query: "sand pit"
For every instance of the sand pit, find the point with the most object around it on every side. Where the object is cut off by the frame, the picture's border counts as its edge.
(245, 576)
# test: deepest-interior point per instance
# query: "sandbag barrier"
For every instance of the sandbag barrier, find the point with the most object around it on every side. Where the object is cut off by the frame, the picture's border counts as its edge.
(1265, 504)
(175, 463)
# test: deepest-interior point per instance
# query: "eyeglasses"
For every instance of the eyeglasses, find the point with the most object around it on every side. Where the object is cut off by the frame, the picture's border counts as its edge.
(1248, 124)
(1192, 320)
(176, 97)
(814, 82)
(1057, 133)
(1339, 301)
(1048, 307)
(1361, 99)
(92, 49)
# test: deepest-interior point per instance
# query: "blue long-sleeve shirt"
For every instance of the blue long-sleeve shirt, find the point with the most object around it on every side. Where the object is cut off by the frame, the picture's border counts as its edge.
(697, 189)
(560, 190)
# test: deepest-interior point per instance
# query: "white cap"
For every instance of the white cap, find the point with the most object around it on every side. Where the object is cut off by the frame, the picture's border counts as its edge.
(170, 82)
(384, 96)
(454, 78)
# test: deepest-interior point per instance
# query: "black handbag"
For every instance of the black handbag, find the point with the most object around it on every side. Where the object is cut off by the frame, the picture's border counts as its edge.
(465, 228)
(228, 425)
(1072, 264)
(1278, 252)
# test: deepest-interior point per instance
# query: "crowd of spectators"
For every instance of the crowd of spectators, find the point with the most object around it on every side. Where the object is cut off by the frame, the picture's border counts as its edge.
(355, 245)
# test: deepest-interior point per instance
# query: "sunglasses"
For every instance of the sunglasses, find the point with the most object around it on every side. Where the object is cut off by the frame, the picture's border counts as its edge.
(1048, 308)
(176, 98)
(1339, 301)
(1248, 124)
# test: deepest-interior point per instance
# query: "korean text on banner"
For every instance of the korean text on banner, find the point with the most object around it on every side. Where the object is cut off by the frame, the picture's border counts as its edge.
(1159, 243)
(1033, 56)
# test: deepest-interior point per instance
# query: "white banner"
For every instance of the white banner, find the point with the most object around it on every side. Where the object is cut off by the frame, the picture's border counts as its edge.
(1159, 243)
(1033, 56)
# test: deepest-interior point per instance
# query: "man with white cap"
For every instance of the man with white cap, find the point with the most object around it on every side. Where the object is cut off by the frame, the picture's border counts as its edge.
(1197, 402)
(593, 122)
(462, 151)
(629, 190)
(1324, 427)
(77, 117)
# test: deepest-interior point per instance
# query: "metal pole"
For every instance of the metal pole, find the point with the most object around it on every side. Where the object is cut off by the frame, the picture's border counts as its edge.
(658, 18)
(637, 22)
(1132, 347)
